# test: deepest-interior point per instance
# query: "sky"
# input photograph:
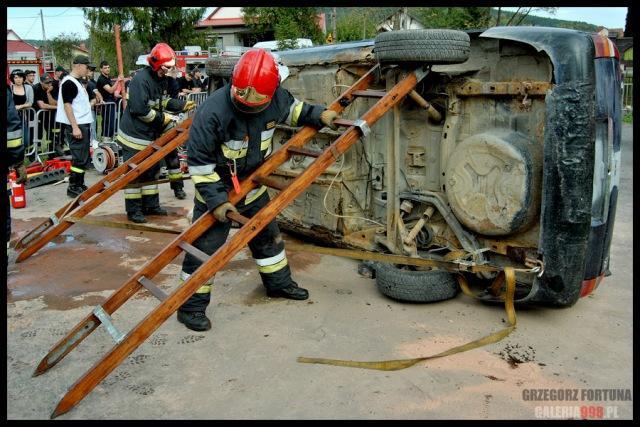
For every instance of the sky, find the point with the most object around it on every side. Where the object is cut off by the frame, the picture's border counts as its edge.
(25, 21)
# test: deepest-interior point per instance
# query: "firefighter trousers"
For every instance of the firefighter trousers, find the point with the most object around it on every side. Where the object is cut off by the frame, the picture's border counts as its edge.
(174, 173)
(267, 249)
(147, 197)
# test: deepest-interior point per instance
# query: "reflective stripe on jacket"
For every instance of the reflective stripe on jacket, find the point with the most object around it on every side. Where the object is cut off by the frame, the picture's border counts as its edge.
(220, 136)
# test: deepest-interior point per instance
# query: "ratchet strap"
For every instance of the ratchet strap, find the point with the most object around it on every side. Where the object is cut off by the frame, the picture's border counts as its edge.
(508, 275)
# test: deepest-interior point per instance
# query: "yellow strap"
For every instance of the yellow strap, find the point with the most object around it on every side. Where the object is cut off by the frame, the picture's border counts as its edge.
(394, 365)
(454, 255)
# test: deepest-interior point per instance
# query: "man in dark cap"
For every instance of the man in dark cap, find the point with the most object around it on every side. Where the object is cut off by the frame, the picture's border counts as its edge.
(30, 77)
(74, 114)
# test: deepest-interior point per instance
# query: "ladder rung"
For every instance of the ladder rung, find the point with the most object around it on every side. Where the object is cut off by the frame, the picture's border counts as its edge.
(105, 319)
(240, 219)
(151, 287)
(369, 93)
(304, 151)
(192, 250)
(343, 122)
(269, 182)
(133, 165)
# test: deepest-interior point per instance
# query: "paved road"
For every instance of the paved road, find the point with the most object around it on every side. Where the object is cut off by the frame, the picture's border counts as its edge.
(245, 367)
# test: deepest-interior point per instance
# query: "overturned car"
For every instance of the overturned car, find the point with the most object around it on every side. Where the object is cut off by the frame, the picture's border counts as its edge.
(508, 152)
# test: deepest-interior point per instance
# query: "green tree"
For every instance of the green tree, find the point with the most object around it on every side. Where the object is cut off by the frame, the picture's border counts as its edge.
(357, 25)
(459, 18)
(287, 23)
(62, 47)
(141, 28)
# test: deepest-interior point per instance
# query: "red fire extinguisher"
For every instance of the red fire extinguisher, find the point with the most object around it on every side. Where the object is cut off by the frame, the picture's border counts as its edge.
(18, 194)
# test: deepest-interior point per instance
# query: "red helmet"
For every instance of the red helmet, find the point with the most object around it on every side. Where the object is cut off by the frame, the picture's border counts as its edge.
(160, 55)
(254, 81)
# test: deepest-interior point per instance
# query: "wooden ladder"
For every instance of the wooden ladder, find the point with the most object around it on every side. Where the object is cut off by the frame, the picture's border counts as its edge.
(125, 344)
(102, 190)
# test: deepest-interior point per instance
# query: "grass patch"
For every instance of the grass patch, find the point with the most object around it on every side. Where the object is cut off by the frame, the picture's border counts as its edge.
(628, 118)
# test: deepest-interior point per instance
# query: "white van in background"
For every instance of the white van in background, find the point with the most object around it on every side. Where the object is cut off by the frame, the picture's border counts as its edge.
(273, 44)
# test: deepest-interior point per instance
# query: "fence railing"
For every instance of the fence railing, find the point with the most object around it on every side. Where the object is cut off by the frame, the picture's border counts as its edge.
(46, 133)
(29, 123)
(627, 96)
(42, 134)
(107, 117)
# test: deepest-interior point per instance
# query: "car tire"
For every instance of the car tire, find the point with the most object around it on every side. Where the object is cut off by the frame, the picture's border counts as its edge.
(221, 67)
(433, 46)
(415, 286)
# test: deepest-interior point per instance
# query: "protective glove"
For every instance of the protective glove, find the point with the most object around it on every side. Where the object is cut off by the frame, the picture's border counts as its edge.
(190, 105)
(220, 213)
(327, 117)
(21, 173)
(167, 119)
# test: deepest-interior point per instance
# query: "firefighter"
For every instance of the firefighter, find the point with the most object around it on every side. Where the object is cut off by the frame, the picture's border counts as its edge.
(145, 119)
(15, 157)
(230, 136)
(172, 160)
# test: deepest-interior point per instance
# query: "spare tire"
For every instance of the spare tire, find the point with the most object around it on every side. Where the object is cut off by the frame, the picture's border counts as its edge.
(221, 66)
(415, 286)
(433, 46)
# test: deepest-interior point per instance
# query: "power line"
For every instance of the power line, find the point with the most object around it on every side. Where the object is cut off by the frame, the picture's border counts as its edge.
(38, 16)
(46, 16)
(31, 28)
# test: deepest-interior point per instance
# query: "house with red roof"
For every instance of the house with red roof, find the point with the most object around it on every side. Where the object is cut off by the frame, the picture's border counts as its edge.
(227, 24)
(23, 55)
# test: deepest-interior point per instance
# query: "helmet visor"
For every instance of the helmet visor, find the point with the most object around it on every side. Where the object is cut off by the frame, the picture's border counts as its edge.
(249, 100)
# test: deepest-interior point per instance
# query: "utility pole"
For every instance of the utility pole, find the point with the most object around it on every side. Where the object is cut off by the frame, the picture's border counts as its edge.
(44, 37)
(44, 41)
(335, 34)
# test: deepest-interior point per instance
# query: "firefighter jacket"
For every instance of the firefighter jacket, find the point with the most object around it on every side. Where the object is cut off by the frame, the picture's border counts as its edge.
(15, 147)
(222, 138)
(142, 120)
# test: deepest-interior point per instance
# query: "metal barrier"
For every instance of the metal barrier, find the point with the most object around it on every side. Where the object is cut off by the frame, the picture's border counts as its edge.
(47, 133)
(119, 112)
(198, 97)
(107, 113)
(29, 125)
(627, 96)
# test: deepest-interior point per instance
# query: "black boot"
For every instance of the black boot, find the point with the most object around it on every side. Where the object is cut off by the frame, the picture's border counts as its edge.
(291, 292)
(137, 217)
(75, 188)
(194, 320)
(155, 211)
(180, 194)
(74, 191)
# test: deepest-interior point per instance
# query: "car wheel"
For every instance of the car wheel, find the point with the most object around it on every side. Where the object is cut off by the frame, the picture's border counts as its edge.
(415, 286)
(433, 46)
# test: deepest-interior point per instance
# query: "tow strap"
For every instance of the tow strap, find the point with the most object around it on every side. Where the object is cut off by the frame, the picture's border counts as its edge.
(507, 274)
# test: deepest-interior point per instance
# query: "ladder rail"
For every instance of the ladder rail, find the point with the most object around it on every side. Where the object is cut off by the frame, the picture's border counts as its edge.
(172, 250)
(224, 254)
(227, 251)
(98, 192)
(110, 178)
